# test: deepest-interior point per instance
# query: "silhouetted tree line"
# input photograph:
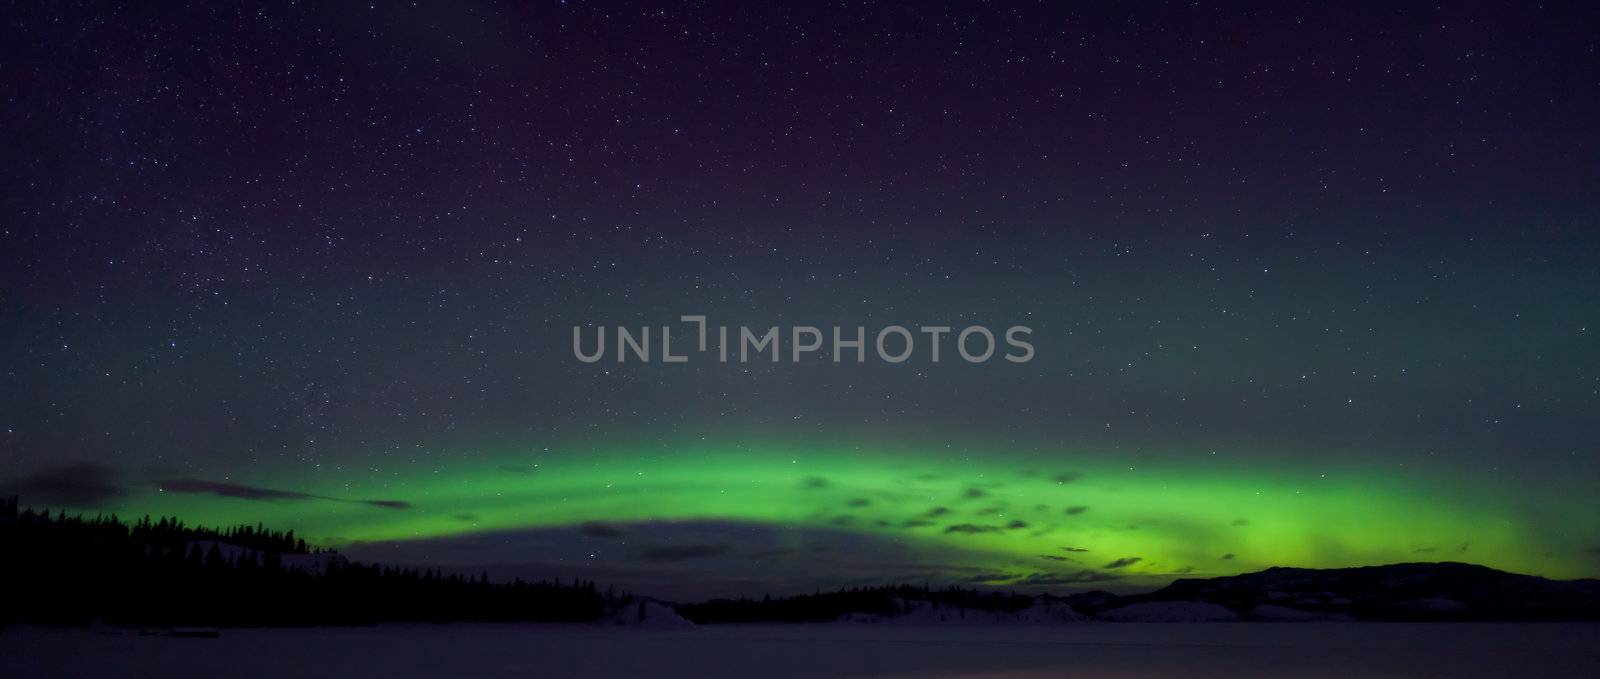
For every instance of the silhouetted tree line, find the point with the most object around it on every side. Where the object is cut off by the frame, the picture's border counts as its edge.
(76, 570)
(824, 606)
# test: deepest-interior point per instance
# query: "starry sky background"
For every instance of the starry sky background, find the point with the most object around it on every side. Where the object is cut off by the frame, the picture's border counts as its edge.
(1309, 286)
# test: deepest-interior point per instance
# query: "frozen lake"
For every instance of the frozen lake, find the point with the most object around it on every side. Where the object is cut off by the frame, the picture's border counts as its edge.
(1095, 649)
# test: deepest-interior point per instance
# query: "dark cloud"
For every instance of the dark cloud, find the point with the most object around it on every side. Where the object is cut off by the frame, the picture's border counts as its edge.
(1016, 524)
(1054, 557)
(775, 554)
(1123, 562)
(987, 578)
(1067, 477)
(77, 485)
(225, 489)
(814, 483)
(683, 552)
(1078, 578)
(1075, 510)
(1073, 549)
(936, 511)
(600, 529)
(916, 523)
(465, 517)
(244, 492)
(1228, 556)
(971, 528)
(975, 492)
(1240, 522)
(859, 502)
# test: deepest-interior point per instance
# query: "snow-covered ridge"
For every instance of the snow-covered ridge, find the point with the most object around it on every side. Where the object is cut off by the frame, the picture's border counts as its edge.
(649, 614)
(1412, 591)
(929, 613)
(1170, 611)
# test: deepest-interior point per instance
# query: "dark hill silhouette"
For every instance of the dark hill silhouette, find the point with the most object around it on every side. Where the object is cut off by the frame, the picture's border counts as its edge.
(1408, 591)
(887, 601)
(1405, 591)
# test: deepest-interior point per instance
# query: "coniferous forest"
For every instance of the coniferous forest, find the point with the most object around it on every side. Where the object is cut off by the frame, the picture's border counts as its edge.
(76, 570)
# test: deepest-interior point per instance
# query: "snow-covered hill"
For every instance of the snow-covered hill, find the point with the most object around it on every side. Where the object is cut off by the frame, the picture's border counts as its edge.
(926, 613)
(650, 614)
(1410, 591)
(1170, 611)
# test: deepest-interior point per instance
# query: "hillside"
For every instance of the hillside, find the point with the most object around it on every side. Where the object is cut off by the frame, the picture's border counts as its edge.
(1398, 592)
(1407, 591)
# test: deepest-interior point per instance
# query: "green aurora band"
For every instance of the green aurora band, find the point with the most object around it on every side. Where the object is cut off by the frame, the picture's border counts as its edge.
(997, 511)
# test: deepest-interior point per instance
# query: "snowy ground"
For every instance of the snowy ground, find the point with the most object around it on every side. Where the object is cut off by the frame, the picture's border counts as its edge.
(1086, 649)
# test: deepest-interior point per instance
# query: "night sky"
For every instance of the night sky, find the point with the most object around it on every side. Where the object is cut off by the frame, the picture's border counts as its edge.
(1308, 287)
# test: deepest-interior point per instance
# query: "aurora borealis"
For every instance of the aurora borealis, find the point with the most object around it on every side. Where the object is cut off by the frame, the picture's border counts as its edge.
(1013, 523)
(965, 516)
(1306, 287)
